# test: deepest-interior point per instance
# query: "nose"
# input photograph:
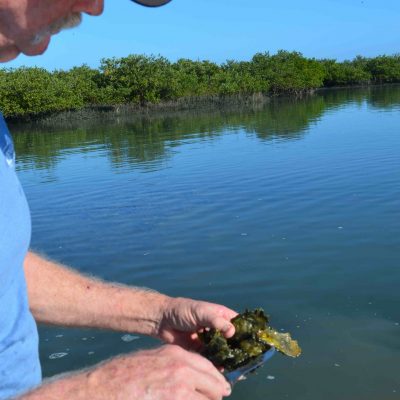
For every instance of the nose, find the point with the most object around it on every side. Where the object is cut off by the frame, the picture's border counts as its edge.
(91, 7)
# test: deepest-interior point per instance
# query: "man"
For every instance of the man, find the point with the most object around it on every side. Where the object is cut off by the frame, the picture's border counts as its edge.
(33, 288)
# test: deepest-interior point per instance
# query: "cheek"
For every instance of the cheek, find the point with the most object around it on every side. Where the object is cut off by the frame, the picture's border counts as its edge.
(41, 13)
(21, 20)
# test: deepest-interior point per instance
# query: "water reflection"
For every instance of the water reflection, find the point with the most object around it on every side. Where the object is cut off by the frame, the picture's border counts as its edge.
(148, 141)
(240, 211)
(385, 98)
(287, 118)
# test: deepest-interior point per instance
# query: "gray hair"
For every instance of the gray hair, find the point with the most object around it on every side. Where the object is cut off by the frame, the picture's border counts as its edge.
(70, 21)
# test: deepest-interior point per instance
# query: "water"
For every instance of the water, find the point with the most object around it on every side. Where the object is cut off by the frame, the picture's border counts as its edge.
(293, 207)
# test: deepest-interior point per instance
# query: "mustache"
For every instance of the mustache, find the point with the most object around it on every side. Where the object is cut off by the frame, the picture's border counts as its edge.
(69, 21)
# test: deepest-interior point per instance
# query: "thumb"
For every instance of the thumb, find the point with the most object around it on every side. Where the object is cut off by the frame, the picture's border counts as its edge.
(218, 317)
(224, 326)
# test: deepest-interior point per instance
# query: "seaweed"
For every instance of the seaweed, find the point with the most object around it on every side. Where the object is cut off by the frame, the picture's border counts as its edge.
(252, 338)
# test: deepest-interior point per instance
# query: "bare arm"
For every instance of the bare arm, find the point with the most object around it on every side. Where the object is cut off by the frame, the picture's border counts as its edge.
(166, 373)
(61, 296)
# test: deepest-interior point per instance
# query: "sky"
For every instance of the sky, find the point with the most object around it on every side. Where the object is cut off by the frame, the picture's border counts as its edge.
(219, 30)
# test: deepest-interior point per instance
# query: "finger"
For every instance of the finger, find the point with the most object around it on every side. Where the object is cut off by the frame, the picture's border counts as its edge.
(198, 396)
(226, 327)
(210, 388)
(208, 385)
(189, 341)
(216, 316)
(200, 374)
(204, 366)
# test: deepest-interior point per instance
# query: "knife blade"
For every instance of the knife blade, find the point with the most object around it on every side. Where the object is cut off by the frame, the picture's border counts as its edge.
(233, 376)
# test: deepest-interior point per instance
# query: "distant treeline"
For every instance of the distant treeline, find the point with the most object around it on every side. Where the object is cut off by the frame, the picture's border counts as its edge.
(141, 80)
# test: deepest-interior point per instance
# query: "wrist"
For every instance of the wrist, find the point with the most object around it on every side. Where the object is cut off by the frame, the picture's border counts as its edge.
(174, 310)
(141, 311)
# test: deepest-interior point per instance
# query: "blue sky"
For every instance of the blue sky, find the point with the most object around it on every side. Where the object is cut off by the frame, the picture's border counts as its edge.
(218, 30)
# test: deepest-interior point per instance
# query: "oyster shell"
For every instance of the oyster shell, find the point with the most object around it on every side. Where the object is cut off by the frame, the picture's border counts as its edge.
(252, 337)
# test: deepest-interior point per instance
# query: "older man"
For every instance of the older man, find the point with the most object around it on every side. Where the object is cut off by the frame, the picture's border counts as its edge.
(35, 289)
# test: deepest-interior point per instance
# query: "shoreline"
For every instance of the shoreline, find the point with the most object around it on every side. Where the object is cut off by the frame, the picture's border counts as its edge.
(200, 103)
(192, 104)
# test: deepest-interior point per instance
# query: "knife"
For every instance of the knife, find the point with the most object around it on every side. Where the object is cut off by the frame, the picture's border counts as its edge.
(233, 376)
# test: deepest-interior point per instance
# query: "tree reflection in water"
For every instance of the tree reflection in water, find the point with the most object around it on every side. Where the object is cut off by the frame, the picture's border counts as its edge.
(146, 141)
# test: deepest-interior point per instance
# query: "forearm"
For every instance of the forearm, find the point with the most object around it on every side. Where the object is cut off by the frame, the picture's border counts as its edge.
(61, 296)
(74, 386)
(168, 372)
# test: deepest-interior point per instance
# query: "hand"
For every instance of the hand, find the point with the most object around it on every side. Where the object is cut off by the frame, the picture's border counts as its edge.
(169, 372)
(183, 318)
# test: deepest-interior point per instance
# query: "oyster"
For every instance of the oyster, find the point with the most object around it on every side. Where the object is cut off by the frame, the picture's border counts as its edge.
(252, 337)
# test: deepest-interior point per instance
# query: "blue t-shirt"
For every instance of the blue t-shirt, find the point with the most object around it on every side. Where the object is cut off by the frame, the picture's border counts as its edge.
(19, 358)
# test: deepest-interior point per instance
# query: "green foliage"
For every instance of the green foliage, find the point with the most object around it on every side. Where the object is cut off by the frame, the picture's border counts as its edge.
(83, 81)
(385, 69)
(288, 72)
(239, 78)
(140, 80)
(196, 78)
(345, 73)
(33, 90)
(137, 79)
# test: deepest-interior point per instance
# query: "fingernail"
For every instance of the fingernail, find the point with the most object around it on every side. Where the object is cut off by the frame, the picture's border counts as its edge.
(227, 327)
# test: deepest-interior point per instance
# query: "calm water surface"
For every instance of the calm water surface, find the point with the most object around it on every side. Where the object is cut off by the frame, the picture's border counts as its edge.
(293, 207)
